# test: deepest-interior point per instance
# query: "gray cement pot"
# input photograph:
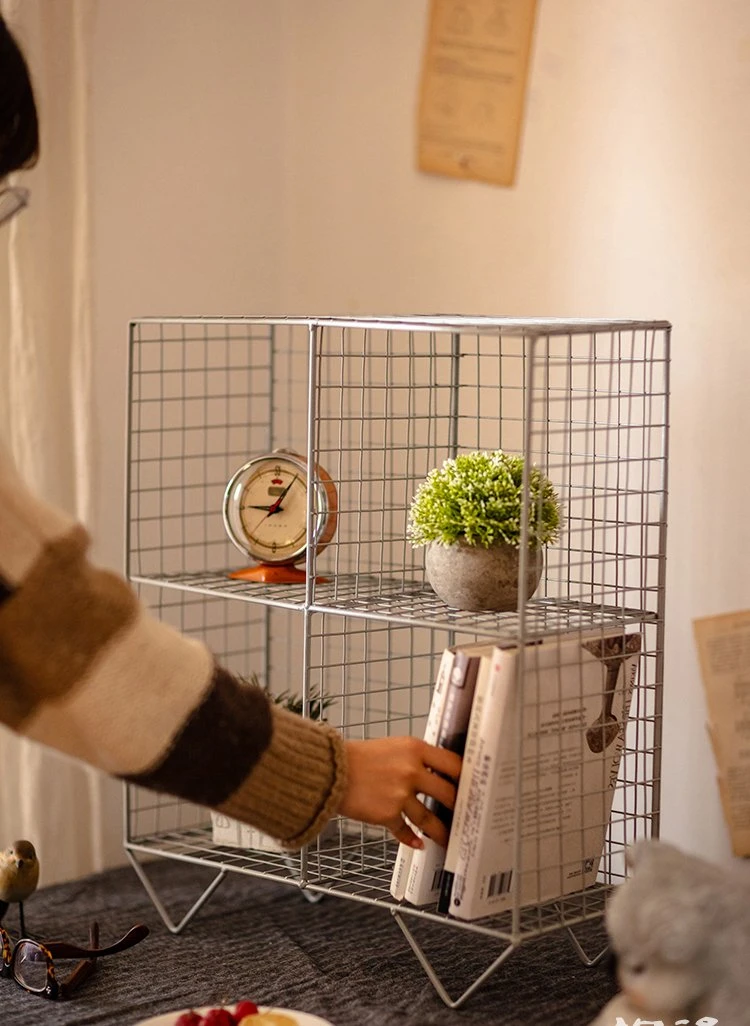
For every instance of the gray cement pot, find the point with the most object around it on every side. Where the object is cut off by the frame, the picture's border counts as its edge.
(477, 579)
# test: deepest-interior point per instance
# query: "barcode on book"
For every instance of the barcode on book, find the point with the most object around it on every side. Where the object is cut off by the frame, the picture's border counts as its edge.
(436, 876)
(499, 883)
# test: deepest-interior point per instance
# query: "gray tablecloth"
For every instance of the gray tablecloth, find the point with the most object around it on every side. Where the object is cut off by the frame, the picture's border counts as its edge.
(345, 961)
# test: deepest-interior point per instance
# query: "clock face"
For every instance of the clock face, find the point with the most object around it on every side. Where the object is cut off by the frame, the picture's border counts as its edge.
(265, 508)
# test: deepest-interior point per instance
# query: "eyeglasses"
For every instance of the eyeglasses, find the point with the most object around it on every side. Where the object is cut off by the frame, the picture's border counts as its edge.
(31, 963)
(12, 199)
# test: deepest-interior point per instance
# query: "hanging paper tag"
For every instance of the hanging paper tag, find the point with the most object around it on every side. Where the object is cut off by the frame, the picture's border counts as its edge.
(473, 88)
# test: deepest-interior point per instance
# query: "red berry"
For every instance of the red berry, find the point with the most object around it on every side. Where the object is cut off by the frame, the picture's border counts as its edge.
(218, 1017)
(245, 1008)
(190, 1018)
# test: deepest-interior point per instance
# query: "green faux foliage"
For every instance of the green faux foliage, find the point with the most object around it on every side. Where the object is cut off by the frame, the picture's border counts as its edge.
(477, 498)
(294, 703)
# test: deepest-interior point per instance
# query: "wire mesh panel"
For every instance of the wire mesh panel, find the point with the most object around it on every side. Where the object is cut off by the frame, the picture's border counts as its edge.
(372, 406)
(589, 410)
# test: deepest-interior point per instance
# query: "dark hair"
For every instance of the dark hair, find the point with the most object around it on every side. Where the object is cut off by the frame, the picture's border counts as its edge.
(19, 129)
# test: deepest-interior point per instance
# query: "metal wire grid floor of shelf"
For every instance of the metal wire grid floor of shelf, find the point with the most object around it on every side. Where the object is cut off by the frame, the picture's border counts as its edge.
(361, 870)
(392, 600)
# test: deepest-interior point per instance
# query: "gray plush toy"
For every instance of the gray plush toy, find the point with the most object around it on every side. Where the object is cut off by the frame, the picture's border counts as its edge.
(680, 929)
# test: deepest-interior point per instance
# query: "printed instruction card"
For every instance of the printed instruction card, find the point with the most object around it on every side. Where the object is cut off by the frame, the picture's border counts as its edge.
(473, 88)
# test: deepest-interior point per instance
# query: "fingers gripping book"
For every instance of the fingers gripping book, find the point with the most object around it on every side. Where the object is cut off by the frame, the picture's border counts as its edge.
(452, 701)
(405, 853)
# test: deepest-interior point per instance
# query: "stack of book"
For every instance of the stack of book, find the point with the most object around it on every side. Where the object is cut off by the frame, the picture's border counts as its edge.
(541, 729)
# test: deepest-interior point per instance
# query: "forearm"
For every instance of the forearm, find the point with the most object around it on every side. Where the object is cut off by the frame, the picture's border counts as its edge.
(86, 670)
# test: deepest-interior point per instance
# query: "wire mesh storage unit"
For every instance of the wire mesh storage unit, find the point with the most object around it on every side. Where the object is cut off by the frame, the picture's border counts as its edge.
(377, 403)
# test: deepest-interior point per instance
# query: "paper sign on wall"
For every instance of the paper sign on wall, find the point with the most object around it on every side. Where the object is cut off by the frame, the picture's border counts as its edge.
(724, 651)
(473, 88)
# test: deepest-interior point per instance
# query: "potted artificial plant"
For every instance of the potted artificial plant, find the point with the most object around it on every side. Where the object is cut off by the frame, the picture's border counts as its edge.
(468, 514)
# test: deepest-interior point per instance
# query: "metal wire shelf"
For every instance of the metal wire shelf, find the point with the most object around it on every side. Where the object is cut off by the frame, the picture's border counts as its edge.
(361, 870)
(378, 402)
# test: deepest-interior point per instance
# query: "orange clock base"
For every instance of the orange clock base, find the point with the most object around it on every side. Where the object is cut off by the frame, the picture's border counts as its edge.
(266, 573)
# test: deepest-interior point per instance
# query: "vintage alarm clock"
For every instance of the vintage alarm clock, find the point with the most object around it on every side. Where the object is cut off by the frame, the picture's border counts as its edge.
(265, 515)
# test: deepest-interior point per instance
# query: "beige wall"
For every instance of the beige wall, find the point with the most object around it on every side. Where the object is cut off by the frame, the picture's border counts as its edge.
(187, 143)
(255, 157)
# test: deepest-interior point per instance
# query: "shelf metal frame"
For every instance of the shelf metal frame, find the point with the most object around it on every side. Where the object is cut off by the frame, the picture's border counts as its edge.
(378, 401)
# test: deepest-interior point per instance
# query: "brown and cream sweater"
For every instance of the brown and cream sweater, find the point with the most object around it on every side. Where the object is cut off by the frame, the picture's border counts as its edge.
(86, 670)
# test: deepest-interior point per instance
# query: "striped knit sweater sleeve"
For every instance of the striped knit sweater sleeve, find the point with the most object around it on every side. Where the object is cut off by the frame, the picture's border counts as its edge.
(86, 670)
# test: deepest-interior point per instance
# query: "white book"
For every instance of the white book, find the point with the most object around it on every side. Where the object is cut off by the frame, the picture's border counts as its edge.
(403, 861)
(576, 697)
(423, 879)
(233, 834)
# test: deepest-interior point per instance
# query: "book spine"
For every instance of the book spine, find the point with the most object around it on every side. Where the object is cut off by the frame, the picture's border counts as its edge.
(423, 882)
(405, 853)
(494, 755)
(467, 769)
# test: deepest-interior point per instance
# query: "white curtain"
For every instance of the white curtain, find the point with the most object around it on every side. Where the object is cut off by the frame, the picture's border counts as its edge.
(69, 812)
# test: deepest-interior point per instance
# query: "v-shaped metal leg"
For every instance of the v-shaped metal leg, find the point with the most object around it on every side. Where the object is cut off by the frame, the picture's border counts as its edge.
(587, 960)
(158, 905)
(433, 976)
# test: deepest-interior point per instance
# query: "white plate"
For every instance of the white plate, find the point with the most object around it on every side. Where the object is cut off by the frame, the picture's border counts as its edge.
(301, 1018)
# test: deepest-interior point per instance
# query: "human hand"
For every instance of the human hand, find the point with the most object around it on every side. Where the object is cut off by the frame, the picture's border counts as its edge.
(385, 776)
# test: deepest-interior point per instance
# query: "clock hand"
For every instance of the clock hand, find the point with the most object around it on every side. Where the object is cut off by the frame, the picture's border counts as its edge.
(248, 505)
(277, 505)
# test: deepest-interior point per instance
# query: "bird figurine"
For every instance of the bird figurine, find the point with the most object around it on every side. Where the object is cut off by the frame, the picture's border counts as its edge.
(19, 875)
